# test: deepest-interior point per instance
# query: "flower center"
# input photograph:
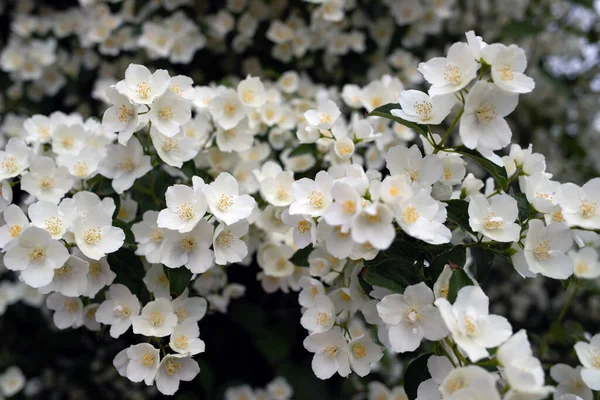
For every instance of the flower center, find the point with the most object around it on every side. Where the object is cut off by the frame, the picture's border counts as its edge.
(37, 254)
(182, 341)
(144, 90)
(95, 269)
(71, 305)
(156, 318)
(423, 110)
(92, 236)
(491, 222)
(453, 74)
(410, 215)
(127, 165)
(122, 310)
(10, 164)
(359, 350)
(80, 168)
(316, 199)
(124, 114)
(148, 360)
(166, 113)
(14, 230)
(185, 212)
(181, 314)
(157, 235)
(542, 250)
(63, 272)
(348, 207)
(506, 73)
(588, 209)
(172, 367)
(225, 239)
(303, 226)
(54, 226)
(486, 113)
(47, 182)
(187, 244)
(331, 351)
(224, 202)
(412, 173)
(169, 145)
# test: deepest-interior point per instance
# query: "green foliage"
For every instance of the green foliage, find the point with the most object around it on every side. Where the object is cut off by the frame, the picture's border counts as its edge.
(179, 278)
(458, 280)
(483, 259)
(129, 269)
(300, 257)
(458, 212)
(394, 269)
(304, 148)
(499, 173)
(416, 372)
(525, 209)
(457, 256)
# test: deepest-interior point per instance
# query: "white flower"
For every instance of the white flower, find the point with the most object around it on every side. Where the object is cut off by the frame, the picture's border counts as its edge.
(174, 150)
(395, 189)
(251, 92)
(39, 128)
(452, 73)
(156, 319)
(482, 125)
(320, 317)
(46, 181)
(363, 354)
(311, 288)
(36, 255)
(142, 87)
(495, 219)
(143, 363)
(226, 109)
(68, 311)
(275, 260)
(312, 197)
(157, 282)
(99, 275)
(174, 368)
(324, 116)
(189, 308)
(191, 249)
(14, 158)
(508, 67)
(55, 219)
(411, 317)
(6, 195)
(185, 338)
(70, 279)
(546, 247)
(579, 205)
(148, 236)
(472, 327)
(121, 117)
(185, 207)
(118, 310)
(470, 382)
(540, 192)
(373, 224)
(280, 389)
(331, 353)
(125, 164)
(304, 227)
(439, 368)
(420, 108)
(347, 203)
(242, 392)
(277, 189)
(586, 263)
(569, 382)
(224, 201)
(12, 381)
(589, 357)
(409, 161)
(16, 223)
(168, 113)
(423, 217)
(228, 246)
(95, 236)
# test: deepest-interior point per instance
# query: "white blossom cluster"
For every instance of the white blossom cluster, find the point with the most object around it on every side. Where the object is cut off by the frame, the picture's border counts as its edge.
(317, 189)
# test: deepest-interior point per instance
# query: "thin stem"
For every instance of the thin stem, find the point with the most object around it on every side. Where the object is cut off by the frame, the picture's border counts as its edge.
(447, 135)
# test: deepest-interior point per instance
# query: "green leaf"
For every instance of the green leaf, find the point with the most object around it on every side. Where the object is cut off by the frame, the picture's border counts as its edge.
(129, 237)
(416, 372)
(300, 257)
(393, 273)
(499, 173)
(129, 269)
(523, 205)
(458, 212)
(179, 278)
(189, 169)
(458, 280)
(385, 112)
(457, 256)
(521, 29)
(482, 263)
(304, 148)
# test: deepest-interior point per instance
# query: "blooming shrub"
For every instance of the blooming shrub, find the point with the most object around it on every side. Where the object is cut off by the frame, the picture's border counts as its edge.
(391, 204)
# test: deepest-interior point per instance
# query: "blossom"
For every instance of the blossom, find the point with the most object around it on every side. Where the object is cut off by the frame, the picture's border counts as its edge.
(95, 236)
(569, 382)
(586, 264)
(324, 116)
(122, 117)
(546, 247)
(472, 327)
(251, 92)
(579, 205)
(226, 109)
(55, 219)
(16, 223)
(423, 217)
(191, 249)
(125, 164)
(189, 308)
(148, 236)
(331, 353)
(70, 279)
(469, 382)
(174, 368)
(46, 181)
(224, 201)
(320, 317)
(312, 197)
(68, 311)
(14, 159)
(143, 363)
(482, 125)
(452, 73)
(588, 354)
(12, 381)
(168, 113)
(156, 319)
(228, 246)
(373, 224)
(118, 310)
(185, 338)
(36, 255)
(185, 207)
(495, 219)
(508, 65)
(420, 108)
(141, 86)
(363, 354)
(174, 150)
(409, 161)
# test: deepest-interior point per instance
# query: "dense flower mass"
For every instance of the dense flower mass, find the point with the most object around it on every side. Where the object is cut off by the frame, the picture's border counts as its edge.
(379, 200)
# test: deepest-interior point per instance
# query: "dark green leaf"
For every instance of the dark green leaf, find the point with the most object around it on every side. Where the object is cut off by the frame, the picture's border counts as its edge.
(416, 372)
(457, 256)
(179, 278)
(482, 263)
(385, 112)
(300, 257)
(129, 269)
(189, 169)
(458, 212)
(304, 148)
(458, 280)
(393, 273)
(129, 238)
(524, 206)
(499, 173)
